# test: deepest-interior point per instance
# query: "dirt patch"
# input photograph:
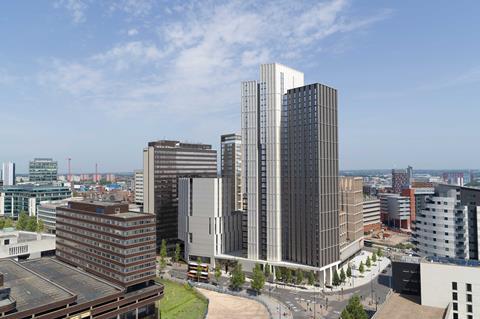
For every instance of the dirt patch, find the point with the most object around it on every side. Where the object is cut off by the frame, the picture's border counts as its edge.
(226, 306)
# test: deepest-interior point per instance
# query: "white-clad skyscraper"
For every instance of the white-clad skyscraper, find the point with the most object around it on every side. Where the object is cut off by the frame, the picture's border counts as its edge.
(8, 174)
(261, 108)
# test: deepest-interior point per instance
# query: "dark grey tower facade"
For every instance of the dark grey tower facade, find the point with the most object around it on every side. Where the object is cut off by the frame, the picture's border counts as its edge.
(310, 181)
(164, 162)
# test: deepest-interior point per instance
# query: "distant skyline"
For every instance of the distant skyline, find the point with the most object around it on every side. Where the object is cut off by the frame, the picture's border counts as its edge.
(96, 81)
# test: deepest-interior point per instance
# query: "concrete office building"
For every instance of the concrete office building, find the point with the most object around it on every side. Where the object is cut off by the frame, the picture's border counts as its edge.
(47, 212)
(8, 174)
(163, 163)
(400, 180)
(138, 187)
(421, 194)
(21, 245)
(309, 177)
(261, 113)
(351, 205)
(43, 170)
(27, 197)
(451, 284)
(448, 225)
(371, 215)
(105, 239)
(200, 221)
(395, 210)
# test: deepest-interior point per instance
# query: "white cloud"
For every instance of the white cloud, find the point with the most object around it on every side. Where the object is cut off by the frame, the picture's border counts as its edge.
(76, 8)
(132, 32)
(133, 7)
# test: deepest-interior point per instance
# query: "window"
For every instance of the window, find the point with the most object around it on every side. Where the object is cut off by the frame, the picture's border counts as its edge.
(469, 308)
(469, 298)
(455, 315)
(469, 317)
(454, 285)
(190, 237)
(469, 287)
(455, 306)
(454, 296)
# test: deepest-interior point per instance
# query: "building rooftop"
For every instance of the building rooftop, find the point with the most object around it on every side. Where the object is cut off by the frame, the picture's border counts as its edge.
(29, 290)
(33, 187)
(85, 286)
(451, 261)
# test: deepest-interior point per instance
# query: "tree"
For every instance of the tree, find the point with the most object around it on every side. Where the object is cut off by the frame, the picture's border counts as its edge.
(199, 268)
(336, 279)
(2, 223)
(343, 277)
(40, 226)
(163, 254)
(217, 273)
(361, 268)
(22, 221)
(349, 271)
(288, 275)
(258, 279)
(369, 262)
(354, 309)
(379, 252)
(267, 271)
(237, 278)
(279, 273)
(8, 223)
(374, 257)
(32, 224)
(299, 277)
(176, 256)
(311, 278)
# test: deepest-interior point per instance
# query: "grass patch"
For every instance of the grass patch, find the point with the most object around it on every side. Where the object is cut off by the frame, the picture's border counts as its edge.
(181, 302)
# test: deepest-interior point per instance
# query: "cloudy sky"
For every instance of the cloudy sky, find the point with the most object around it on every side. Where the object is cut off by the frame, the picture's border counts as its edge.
(97, 80)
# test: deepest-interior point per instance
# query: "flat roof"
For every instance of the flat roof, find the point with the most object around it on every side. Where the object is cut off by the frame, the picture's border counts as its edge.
(451, 261)
(29, 290)
(85, 286)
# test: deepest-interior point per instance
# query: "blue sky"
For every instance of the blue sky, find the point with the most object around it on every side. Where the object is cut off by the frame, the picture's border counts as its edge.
(97, 80)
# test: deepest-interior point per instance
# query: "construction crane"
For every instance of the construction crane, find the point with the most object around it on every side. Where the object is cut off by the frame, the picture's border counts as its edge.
(69, 177)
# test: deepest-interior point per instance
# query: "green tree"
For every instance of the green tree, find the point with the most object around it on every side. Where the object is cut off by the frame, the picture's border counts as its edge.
(40, 226)
(8, 223)
(237, 277)
(336, 279)
(311, 278)
(369, 262)
(343, 276)
(258, 279)
(299, 278)
(354, 309)
(217, 273)
(349, 271)
(374, 257)
(2, 223)
(288, 275)
(199, 268)
(279, 273)
(176, 256)
(267, 271)
(379, 252)
(163, 254)
(22, 221)
(361, 268)
(32, 224)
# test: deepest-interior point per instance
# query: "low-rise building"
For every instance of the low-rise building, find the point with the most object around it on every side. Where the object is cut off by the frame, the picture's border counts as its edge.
(371, 215)
(26, 197)
(25, 245)
(47, 212)
(395, 210)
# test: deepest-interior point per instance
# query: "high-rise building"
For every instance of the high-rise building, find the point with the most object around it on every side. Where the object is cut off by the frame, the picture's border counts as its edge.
(231, 172)
(163, 163)
(138, 187)
(395, 210)
(371, 215)
(261, 112)
(351, 206)
(309, 176)
(400, 180)
(43, 170)
(8, 174)
(105, 239)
